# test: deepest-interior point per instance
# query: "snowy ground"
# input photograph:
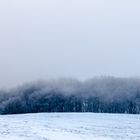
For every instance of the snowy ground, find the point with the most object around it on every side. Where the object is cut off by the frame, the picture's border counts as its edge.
(70, 126)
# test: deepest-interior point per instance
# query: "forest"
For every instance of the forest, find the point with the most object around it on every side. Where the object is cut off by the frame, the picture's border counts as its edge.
(99, 95)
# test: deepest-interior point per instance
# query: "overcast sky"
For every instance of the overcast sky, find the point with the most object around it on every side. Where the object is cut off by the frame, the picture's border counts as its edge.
(44, 39)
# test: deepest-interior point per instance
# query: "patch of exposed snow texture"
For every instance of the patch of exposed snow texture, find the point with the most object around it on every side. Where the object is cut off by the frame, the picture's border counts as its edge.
(70, 126)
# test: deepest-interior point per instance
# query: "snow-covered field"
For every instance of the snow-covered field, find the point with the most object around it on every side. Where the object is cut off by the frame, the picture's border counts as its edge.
(70, 126)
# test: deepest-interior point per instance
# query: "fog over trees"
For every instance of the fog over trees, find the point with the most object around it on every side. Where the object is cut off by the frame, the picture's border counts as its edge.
(101, 94)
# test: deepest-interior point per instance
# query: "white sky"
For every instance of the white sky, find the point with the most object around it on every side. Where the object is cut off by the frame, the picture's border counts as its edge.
(43, 39)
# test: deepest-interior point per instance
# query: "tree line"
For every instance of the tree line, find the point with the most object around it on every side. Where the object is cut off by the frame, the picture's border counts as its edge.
(101, 95)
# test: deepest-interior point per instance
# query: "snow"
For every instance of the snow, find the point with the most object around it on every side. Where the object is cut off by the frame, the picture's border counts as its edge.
(70, 126)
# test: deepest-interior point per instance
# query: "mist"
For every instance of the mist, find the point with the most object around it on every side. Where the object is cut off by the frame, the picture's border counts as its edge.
(80, 39)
